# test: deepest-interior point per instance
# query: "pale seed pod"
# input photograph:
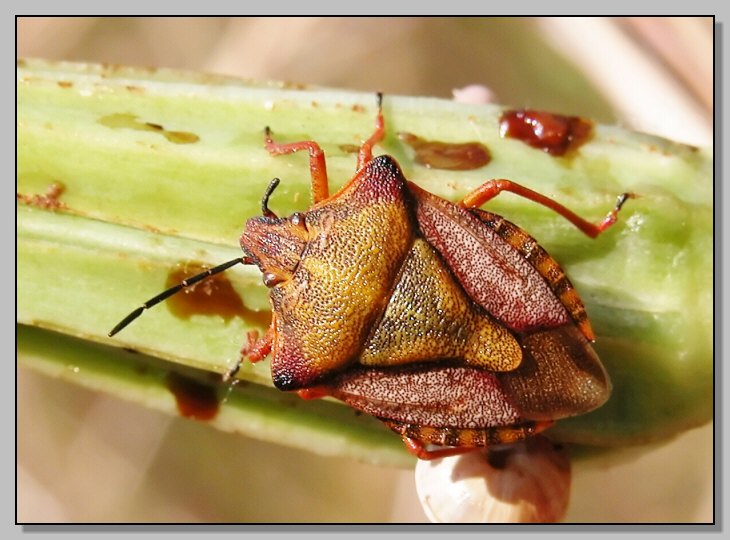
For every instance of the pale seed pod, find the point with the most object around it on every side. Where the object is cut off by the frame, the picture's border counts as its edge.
(525, 482)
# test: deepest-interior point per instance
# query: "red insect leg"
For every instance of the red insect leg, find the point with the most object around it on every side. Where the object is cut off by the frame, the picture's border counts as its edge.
(314, 392)
(492, 188)
(256, 349)
(366, 150)
(317, 163)
(419, 450)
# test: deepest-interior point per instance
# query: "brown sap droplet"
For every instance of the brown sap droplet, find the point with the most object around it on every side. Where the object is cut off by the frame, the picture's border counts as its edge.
(194, 399)
(447, 156)
(553, 133)
(129, 121)
(48, 200)
(212, 296)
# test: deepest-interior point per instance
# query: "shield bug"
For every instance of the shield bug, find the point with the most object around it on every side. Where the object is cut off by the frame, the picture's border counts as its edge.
(448, 323)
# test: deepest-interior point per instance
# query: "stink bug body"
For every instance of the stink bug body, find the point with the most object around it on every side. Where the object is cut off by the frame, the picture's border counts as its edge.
(448, 323)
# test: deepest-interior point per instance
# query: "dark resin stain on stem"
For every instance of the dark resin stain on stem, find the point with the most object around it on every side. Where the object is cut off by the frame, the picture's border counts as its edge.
(212, 296)
(130, 121)
(447, 156)
(195, 400)
(552, 133)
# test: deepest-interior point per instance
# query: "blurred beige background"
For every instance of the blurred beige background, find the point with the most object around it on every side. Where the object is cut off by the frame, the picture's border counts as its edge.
(75, 464)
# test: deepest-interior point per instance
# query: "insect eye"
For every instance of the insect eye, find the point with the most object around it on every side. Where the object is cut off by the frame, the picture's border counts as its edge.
(271, 279)
(297, 218)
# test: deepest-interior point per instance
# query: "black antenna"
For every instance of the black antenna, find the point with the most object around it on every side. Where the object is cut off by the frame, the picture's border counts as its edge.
(265, 201)
(177, 288)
